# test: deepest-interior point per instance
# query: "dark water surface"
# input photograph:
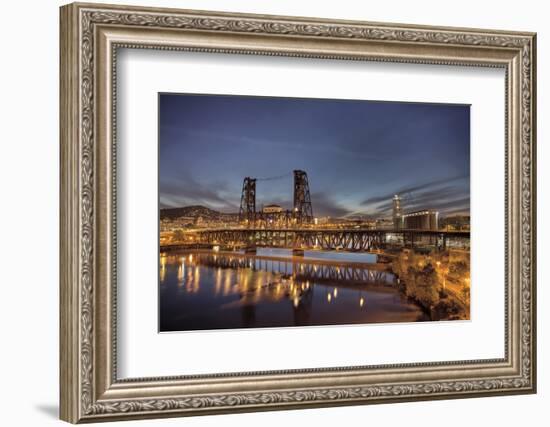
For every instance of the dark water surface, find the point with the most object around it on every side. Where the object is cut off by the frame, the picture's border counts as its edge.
(207, 290)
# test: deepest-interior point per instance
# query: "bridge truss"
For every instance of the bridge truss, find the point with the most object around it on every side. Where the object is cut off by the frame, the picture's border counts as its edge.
(345, 239)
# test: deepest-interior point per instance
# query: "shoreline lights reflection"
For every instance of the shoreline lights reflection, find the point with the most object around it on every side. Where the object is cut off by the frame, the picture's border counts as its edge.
(213, 290)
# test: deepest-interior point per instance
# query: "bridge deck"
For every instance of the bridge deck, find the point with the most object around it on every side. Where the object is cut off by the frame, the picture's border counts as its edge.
(447, 233)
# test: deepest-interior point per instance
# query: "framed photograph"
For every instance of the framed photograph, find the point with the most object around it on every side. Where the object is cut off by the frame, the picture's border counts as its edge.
(265, 212)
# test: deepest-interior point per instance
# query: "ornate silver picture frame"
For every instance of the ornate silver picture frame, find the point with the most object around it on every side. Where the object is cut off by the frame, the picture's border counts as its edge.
(91, 35)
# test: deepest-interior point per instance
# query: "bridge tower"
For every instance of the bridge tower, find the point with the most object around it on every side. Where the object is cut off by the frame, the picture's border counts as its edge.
(247, 212)
(303, 211)
(397, 213)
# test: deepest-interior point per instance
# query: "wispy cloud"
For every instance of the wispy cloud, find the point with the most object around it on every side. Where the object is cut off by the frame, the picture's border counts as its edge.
(357, 154)
(412, 189)
(186, 191)
(274, 141)
(445, 195)
(324, 205)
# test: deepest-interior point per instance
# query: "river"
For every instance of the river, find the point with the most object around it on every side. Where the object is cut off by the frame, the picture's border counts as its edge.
(203, 290)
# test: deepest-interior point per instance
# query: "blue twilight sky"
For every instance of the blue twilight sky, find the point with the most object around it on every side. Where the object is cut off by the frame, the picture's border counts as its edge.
(357, 154)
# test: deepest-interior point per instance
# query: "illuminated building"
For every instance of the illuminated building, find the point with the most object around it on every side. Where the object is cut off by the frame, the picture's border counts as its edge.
(272, 209)
(397, 221)
(420, 220)
(456, 222)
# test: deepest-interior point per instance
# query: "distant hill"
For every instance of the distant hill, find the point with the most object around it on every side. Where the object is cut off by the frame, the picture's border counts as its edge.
(195, 212)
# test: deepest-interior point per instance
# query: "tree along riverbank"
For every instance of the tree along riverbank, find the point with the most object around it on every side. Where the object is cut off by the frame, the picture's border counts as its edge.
(438, 282)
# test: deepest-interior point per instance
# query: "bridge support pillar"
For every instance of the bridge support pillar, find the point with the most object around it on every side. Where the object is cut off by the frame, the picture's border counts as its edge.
(297, 252)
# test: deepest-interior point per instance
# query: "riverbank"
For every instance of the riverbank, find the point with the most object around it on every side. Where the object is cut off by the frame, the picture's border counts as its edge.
(437, 282)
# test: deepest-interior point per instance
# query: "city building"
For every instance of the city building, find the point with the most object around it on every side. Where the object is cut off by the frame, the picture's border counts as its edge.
(420, 220)
(270, 209)
(455, 223)
(397, 221)
(384, 224)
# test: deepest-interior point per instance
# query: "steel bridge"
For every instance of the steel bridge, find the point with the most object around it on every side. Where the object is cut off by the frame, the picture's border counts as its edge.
(366, 240)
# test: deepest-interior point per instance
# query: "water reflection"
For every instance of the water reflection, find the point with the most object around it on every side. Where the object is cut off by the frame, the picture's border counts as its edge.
(206, 290)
